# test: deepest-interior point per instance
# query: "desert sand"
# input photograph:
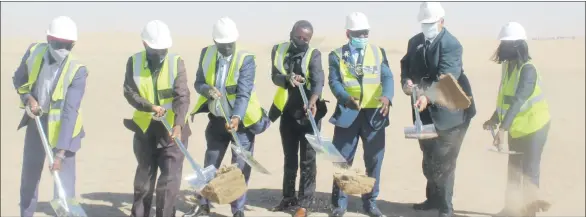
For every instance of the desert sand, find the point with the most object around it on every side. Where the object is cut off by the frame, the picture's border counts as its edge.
(106, 163)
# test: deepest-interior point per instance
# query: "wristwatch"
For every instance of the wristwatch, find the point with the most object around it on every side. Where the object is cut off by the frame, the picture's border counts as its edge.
(60, 156)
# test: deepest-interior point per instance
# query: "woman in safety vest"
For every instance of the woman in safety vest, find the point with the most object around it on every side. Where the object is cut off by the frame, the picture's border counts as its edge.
(523, 113)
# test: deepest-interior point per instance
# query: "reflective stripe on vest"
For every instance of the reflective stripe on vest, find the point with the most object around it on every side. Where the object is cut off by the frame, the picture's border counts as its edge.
(142, 76)
(371, 88)
(67, 72)
(254, 111)
(534, 113)
(281, 96)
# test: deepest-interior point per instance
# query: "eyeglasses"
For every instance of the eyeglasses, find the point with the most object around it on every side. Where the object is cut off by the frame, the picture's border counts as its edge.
(359, 33)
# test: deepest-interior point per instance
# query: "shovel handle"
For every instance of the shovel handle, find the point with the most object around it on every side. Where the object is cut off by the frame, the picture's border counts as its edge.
(309, 113)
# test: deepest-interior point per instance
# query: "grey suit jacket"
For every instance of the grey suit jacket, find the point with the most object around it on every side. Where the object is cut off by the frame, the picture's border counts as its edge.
(424, 66)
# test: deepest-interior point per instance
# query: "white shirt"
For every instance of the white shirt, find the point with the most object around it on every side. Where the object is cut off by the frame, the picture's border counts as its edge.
(46, 81)
(355, 53)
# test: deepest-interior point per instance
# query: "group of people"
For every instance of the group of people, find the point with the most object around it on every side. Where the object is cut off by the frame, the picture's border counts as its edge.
(50, 79)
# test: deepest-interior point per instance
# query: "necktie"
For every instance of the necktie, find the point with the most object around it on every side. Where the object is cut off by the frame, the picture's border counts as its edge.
(221, 73)
(359, 62)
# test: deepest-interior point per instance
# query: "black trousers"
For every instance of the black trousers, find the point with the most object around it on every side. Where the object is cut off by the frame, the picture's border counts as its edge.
(169, 159)
(293, 140)
(439, 165)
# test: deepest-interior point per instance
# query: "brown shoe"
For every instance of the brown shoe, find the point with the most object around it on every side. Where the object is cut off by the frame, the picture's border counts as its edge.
(300, 212)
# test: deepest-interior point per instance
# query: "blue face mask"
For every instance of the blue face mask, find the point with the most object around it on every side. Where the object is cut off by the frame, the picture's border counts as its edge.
(359, 42)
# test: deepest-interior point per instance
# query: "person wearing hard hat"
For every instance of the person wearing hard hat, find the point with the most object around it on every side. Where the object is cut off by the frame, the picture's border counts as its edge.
(430, 54)
(156, 84)
(522, 113)
(361, 80)
(294, 62)
(225, 77)
(51, 82)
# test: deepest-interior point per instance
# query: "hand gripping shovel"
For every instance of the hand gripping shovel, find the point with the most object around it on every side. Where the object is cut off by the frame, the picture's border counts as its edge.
(321, 145)
(63, 206)
(501, 148)
(202, 176)
(419, 131)
(239, 150)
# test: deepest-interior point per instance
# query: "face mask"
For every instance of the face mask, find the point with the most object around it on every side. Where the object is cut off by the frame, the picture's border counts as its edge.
(226, 49)
(155, 56)
(359, 42)
(58, 54)
(299, 45)
(507, 52)
(429, 30)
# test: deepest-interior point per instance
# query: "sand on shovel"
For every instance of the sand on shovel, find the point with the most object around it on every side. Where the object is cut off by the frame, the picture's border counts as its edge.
(227, 186)
(353, 182)
(448, 93)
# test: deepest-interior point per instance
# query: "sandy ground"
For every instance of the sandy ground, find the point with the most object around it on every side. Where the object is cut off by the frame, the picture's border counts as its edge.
(106, 163)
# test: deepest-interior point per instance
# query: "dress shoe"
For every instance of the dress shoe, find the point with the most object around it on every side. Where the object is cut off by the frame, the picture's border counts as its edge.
(285, 204)
(301, 212)
(426, 205)
(338, 212)
(444, 214)
(198, 210)
(238, 213)
(373, 211)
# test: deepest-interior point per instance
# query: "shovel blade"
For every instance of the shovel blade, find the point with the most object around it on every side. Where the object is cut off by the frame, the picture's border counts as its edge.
(326, 148)
(71, 209)
(249, 159)
(420, 132)
(496, 150)
(198, 182)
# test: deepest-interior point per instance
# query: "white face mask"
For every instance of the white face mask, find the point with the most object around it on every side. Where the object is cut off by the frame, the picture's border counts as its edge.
(58, 55)
(430, 30)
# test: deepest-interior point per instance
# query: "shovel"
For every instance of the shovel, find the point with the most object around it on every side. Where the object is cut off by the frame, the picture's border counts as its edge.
(63, 206)
(239, 150)
(202, 176)
(321, 145)
(501, 148)
(419, 131)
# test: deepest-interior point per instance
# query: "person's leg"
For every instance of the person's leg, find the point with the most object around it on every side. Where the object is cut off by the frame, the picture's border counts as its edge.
(427, 147)
(533, 148)
(32, 167)
(445, 158)
(307, 183)
(346, 141)
(67, 175)
(170, 163)
(247, 142)
(217, 142)
(374, 152)
(146, 174)
(290, 141)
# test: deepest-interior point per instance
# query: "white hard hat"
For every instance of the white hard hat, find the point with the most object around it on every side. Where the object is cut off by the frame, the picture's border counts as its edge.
(430, 12)
(156, 35)
(225, 31)
(63, 27)
(357, 21)
(512, 31)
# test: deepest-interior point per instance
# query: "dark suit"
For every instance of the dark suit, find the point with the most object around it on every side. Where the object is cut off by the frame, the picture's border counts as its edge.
(423, 65)
(367, 124)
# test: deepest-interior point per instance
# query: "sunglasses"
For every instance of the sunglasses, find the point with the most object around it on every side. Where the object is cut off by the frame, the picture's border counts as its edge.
(359, 33)
(57, 43)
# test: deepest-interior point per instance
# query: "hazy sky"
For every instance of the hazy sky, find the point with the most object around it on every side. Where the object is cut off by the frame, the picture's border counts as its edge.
(270, 20)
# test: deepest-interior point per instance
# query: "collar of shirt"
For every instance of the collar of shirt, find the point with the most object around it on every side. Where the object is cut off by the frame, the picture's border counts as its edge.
(354, 52)
(228, 58)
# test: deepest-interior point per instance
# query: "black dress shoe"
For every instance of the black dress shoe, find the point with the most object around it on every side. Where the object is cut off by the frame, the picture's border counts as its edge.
(445, 214)
(198, 210)
(338, 212)
(373, 211)
(426, 205)
(238, 213)
(285, 204)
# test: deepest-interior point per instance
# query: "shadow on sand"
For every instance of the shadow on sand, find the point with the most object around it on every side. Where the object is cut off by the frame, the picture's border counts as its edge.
(118, 204)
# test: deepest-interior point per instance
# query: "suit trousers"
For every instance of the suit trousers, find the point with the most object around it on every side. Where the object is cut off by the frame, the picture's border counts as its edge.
(218, 140)
(32, 167)
(150, 158)
(439, 165)
(346, 141)
(294, 141)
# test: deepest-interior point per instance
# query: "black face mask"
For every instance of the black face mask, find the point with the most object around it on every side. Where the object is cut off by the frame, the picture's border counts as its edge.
(508, 52)
(299, 45)
(226, 49)
(154, 56)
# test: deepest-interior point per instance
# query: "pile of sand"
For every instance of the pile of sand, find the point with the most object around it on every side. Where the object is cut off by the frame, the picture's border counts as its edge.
(227, 186)
(354, 181)
(448, 93)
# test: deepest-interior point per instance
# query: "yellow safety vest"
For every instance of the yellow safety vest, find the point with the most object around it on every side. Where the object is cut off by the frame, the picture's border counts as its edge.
(371, 81)
(254, 111)
(68, 71)
(281, 96)
(142, 76)
(534, 113)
